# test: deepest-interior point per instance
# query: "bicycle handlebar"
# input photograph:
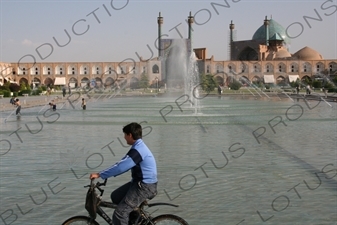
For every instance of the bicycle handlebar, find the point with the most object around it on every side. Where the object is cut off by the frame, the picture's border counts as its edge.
(97, 185)
(101, 184)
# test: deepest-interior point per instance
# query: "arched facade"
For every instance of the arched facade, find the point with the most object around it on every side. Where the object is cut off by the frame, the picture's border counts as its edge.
(155, 68)
(265, 54)
(78, 74)
(73, 82)
(248, 54)
(281, 67)
(332, 67)
(231, 68)
(134, 83)
(219, 68)
(48, 81)
(269, 68)
(293, 67)
(6, 72)
(307, 67)
(23, 80)
(109, 82)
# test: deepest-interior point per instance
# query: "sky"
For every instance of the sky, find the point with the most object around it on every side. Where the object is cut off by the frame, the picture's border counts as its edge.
(119, 30)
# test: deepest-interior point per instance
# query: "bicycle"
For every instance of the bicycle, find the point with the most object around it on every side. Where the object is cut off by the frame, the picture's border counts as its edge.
(139, 216)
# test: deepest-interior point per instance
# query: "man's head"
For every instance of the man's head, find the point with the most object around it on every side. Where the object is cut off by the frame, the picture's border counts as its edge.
(132, 132)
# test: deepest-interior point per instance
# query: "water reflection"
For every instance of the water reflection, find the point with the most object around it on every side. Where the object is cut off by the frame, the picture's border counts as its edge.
(207, 161)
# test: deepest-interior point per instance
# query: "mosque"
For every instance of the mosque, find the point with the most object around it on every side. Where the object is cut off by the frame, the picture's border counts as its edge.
(265, 58)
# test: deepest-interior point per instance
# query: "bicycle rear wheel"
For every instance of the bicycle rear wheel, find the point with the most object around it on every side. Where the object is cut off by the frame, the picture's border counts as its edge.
(168, 219)
(80, 220)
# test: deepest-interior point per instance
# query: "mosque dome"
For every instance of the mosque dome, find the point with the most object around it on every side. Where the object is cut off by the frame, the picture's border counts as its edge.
(281, 54)
(307, 53)
(274, 28)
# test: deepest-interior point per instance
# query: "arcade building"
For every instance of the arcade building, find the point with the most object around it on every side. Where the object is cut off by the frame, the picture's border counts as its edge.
(265, 58)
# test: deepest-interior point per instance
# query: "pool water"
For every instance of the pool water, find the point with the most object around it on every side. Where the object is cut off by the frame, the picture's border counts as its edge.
(236, 161)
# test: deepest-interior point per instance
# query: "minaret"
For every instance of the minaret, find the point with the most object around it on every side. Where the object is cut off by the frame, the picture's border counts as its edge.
(190, 21)
(160, 22)
(266, 28)
(231, 27)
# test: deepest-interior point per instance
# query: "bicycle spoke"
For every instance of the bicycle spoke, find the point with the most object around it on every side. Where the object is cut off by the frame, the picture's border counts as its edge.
(79, 220)
(168, 220)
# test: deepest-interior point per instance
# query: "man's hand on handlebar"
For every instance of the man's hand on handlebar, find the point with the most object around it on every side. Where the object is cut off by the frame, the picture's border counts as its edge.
(94, 176)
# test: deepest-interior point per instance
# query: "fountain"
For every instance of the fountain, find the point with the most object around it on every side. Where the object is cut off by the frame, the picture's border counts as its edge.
(194, 166)
(182, 74)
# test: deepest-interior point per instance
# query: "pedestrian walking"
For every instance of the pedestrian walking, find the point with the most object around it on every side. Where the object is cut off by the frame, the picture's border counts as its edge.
(325, 92)
(64, 91)
(18, 104)
(84, 104)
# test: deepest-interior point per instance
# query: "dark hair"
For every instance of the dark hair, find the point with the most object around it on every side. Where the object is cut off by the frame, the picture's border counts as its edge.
(134, 129)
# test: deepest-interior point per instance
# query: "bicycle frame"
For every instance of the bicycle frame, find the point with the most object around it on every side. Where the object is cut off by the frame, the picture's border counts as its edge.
(103, 214)
(142, 213)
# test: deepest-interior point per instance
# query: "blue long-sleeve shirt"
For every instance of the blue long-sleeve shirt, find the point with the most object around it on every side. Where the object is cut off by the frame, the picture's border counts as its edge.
(141, 162)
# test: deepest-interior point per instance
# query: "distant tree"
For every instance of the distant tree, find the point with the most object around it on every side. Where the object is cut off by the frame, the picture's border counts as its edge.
(307, 81)
(208, 82)
(294, 84)
(235, 85)
(5, 86)
(317, 84)
(144, 81)
(258, 84)
(23, 86)
(328, 85)
(335, 80)
(14, 87)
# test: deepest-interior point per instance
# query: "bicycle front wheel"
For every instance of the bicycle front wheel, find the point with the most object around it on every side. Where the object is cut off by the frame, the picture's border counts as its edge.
(80, 220)
(168, 219)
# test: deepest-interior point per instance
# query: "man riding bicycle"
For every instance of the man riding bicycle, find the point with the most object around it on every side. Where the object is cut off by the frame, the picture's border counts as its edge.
(143, 184)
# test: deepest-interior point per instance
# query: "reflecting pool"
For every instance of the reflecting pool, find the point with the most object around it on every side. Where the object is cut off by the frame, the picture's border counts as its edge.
(237, 161)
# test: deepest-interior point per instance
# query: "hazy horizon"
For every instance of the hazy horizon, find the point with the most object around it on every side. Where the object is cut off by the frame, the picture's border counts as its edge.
(113, 31)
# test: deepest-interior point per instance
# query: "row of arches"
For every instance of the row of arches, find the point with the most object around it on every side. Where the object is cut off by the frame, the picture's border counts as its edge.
(256, 67)
(83, 69)
(74, 83)
(133, 82)
(280, 80)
